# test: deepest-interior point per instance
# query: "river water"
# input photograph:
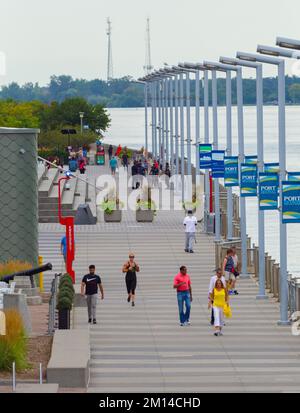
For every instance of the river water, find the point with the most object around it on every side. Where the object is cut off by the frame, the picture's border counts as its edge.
(127, 129)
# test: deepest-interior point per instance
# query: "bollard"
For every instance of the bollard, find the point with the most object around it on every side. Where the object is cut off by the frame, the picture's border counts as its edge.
(276, 270)
(41, 373)
(268, 275)
(41, 275)
(14, 377)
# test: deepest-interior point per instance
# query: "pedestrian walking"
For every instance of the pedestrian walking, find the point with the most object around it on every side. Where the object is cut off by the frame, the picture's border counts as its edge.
(229, 272)
(91, 284)
(182, 283)
(190, 223)
(81, 163)
(131, 268)
(134, 172)
(213, 280)
(63, 248)
(125, 160)
(218, 300)
(110, 152)
(113, 163)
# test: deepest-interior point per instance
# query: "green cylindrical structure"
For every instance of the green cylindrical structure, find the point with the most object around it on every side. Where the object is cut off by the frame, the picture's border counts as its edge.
(19, 195)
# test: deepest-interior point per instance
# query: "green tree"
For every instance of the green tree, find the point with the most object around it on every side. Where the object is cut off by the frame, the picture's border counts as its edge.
(294, 92)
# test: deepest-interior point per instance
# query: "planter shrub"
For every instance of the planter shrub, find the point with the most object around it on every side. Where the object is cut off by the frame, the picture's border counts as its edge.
(13, 346)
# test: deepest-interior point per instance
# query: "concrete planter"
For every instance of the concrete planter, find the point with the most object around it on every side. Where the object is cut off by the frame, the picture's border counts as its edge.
(116, 216)
(144, 215)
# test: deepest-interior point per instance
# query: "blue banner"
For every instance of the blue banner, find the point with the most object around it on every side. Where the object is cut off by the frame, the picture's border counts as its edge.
(290, 202)
(294, 176)
(231, 175)
(268, 191)
(251, 160)
(272, 168)
(248, 180)
(205, 156)
(218, 166)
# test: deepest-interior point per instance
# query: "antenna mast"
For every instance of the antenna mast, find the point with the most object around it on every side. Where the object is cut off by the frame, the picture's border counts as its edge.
(148, 64)
(109, 58)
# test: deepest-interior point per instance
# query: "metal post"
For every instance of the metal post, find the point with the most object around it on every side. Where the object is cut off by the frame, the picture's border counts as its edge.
(188, 124)
(159, 120)
(167, 158)
(153, 114)
(163, 150)
(229, 152)
(146, 116)
(14, 376)
(260, 153)
(155, 152)
(182, 133)
(197, 125)
(216, 147)
(176, 124)
(41, 373)
(283, 230)
(243, 224)
(206, 140)
(171, 88)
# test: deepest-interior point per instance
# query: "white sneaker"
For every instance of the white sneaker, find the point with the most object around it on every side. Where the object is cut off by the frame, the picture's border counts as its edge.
(182, 324)
(187, 323)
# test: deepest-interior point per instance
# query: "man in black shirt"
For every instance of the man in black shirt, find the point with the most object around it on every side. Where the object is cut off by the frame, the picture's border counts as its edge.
(89, 287)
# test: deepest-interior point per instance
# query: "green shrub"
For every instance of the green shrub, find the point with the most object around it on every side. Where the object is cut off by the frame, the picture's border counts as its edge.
(66, 293)
(13, 346)
(64, 303)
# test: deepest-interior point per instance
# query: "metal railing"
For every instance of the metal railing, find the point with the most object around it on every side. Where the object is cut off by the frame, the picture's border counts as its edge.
(52, 321)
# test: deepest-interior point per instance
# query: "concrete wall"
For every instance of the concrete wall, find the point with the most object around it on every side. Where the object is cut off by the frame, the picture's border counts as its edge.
(19, 194)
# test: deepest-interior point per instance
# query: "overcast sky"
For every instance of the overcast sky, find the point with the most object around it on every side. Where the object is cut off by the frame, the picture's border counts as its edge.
(44, 37)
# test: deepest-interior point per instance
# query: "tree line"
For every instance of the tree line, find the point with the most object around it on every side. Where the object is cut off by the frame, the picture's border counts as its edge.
(126, 92)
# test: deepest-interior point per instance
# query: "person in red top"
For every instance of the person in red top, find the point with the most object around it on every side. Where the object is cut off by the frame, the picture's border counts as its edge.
(118, 151)
(182, 283)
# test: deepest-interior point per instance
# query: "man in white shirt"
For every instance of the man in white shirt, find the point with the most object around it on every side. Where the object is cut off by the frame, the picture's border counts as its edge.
(190, 223)
(212, 284)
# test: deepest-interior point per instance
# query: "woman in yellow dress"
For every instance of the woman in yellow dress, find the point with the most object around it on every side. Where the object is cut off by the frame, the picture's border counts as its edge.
(218, 299)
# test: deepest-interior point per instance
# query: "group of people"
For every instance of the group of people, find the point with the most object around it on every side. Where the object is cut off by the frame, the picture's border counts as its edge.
(91, 285)
(218, 293)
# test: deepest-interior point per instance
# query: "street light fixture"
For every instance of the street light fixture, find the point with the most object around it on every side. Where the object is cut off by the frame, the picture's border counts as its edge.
(288, 43)
(280, 63)
(81, 115)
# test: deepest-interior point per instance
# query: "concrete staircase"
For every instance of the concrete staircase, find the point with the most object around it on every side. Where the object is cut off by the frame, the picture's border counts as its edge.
(48, 196)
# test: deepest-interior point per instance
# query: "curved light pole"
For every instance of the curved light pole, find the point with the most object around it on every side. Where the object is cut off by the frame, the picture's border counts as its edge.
(260, 152)
(222, 67)
(280, 63)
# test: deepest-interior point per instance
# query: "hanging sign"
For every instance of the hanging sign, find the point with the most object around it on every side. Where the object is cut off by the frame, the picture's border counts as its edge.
(205, 156)
(294, 176)
(272, 168)
(248, 180)
(251, 160)
(231, 175)
(218, 167)
(290, 202)
(268, 191)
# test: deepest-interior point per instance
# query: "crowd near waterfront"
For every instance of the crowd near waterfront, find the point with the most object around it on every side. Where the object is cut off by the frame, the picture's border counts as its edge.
(130, 136)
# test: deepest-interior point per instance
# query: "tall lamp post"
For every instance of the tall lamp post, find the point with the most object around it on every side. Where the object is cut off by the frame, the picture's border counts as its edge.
(81, 115)
(280, 63)
(260, 153)
(222, 67)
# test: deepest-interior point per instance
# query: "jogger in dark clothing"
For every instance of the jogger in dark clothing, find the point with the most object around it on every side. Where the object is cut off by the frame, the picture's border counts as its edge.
(131, 268)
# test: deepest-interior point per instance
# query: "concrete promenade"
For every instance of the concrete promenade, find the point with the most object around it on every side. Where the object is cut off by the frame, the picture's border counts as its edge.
(143, 349)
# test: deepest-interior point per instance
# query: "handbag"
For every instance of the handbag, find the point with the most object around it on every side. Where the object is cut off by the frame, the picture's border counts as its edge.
(227, 311)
